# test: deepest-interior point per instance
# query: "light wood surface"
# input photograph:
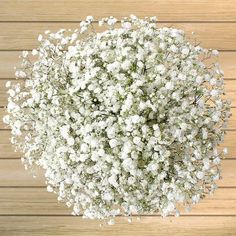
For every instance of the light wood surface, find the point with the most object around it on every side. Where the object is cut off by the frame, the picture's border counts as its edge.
(37, 201)
(13, 174)
(25, 206)
(146, 226)
(21, 36)
(75, 10)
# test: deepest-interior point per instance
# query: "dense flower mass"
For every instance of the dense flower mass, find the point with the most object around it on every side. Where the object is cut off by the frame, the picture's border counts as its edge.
(124, 119)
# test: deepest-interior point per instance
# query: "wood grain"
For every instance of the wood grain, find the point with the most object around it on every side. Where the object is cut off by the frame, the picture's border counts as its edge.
(10, 59)
(147, 226)
(19, 36)
(12, 173)
(75, 10)
(7, 150)
(37, 201)
(232, 120)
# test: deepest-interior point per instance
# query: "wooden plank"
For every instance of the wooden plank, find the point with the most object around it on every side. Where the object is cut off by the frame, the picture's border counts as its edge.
(3, 93)
(7, 150)
(71, 10)
(37, 201)
(230, 86)
(12, 173)
(18, 36)
(227, 62)
(232, 120)
(3, 112)
(9, 60)
(148, 225)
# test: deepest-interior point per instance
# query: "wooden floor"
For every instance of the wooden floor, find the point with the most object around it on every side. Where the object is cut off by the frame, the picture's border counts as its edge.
(25, 206)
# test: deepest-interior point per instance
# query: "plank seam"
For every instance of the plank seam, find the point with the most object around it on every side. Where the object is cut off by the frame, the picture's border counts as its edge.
(25, 49)
(44, 187)
(120, 216)
(119, 21)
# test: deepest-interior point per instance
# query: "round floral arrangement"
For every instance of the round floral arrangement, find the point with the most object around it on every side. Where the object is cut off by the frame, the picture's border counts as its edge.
(124, 120)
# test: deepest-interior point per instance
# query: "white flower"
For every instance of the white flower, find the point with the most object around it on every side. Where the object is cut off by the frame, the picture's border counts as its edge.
(127, 147)
(204, 133)
(127, 164)
(113, 180)
(214, 93)
(131, 180)
(200, 175)
(64, 130)
(70, 141)
(25, 53)
(40, 37)
(83, 29)
(135, 119)
(100, 23)
(173, 48)
(113, 143)
(111, 132)
(34, 52)
(137, 140)
(152, 167)
(72, 51)
(126, 65)
(225, 151)
(215, 52)
(169, 85)
(49, 188)
(161, 69)
(11, 92)
(213, 81)
(8, 84)
(6, 119)
(206, 163)
(215, 117)
(126, 25)
(199, 79)
(111, 222)
(111, 21)
(89, 18)
(84, 147)
(153, 18)
(185, 51)
(196, 198)
(20, 74)
(113, 66)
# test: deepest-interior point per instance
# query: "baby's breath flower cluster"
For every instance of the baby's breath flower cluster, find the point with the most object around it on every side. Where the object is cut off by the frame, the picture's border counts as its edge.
(124, 119)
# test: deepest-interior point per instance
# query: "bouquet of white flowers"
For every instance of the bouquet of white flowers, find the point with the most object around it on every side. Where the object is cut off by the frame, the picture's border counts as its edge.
(124, 120)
